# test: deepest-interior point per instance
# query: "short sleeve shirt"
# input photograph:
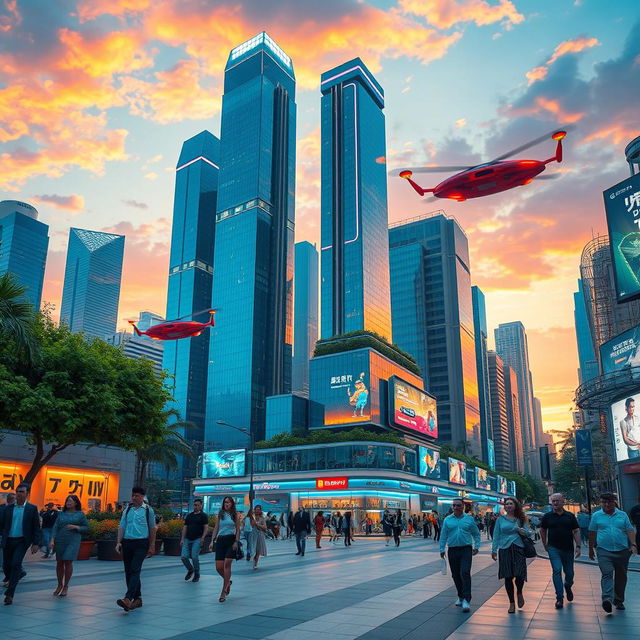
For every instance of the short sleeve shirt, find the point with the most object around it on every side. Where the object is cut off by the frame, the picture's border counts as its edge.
(195, 523)
(134, 522)
(611, 530)
(560, 529)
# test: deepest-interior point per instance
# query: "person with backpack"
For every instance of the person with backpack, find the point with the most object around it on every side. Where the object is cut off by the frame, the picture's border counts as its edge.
(136, 542)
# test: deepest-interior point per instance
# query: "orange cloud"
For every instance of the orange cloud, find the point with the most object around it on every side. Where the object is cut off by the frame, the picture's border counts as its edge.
(12, 18)
(444, 14)
(308, 184)
(568, 46)
(73, 203)
(92, 9)
(542, 104)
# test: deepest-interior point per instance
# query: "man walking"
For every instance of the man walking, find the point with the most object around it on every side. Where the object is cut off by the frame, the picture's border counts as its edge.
(612, 537)
(196, 525)
(136, 541)
(301, 529)
(48, 518)
(461, 533)
(10, 499)
(561, 539)
(20, 526)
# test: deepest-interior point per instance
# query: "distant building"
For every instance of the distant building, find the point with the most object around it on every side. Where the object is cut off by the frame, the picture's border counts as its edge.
(482, 367)
(134, 346)
(587, 357)
(513, 419)
(499, 415)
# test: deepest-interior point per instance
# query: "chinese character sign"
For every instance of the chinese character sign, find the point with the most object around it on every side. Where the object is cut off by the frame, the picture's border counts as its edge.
(621, 351)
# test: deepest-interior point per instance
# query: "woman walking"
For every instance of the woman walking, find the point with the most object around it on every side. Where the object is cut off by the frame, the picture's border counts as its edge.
(259, 534)
(387, 526)
(318, 523)
(397, 527)
(508, 549)
(67, 532)
(347, 527)
(226, 534)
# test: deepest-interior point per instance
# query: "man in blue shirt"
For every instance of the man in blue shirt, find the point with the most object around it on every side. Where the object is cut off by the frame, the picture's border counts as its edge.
(461, 533)
(611, 534)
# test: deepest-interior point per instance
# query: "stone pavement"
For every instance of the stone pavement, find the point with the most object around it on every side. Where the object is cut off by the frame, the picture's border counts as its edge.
(367, 591)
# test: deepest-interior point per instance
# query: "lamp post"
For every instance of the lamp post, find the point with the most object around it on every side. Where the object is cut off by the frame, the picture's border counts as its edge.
(251, 448)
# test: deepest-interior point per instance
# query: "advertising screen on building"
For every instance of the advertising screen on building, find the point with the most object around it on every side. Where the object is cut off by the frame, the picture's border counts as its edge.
(622, 204)
(512, 487)
(482, 479)
(223, 464)
(622, 351)
(412, 409)
(502, 484)
(457, 471)
(429, 463)
(625, 415)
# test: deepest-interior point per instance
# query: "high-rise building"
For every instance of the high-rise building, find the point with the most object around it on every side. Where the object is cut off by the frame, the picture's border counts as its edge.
(537, 422)
(23, 247)
(305, 314)
(251, 344)
(513, 419)
(355, 262)
(134, 346)
(92, 278)
(191, 277)
(586, 355)
(499, 417)
(432, 316)
(482, 368)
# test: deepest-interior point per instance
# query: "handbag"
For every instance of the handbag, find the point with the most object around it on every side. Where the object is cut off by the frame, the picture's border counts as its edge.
(239, 551)
(529, 547)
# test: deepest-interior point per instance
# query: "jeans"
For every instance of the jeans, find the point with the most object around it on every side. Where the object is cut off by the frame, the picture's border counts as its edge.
(14, 550)
(633, 453)
(133, 554)
(460, 564)
(613, 567)
(190, 553)
(247, 536)
(301, 541)
(584, 536)
(46, 538)
(561, 560)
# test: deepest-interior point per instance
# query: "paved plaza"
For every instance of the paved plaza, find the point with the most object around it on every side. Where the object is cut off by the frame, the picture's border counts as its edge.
(368, 591)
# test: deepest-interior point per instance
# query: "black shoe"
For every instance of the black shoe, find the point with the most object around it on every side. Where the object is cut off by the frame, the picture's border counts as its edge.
(606, 605)
(569, 593)
(559, 603)
(196, 578)
(299, 553)
(619, 605)
(189, 574)
(22, 575)
(302, 554)
(8, 600)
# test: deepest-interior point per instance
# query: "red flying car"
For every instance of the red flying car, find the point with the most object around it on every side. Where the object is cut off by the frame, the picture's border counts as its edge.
(489, 177)
(174, 330)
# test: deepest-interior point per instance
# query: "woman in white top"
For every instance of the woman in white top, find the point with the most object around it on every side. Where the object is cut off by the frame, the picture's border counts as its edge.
(226, 535)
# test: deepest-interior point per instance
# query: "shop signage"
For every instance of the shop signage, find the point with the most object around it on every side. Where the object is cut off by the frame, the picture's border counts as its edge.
(325, 484)
(405, 485)
(434, 490)
(267, 486)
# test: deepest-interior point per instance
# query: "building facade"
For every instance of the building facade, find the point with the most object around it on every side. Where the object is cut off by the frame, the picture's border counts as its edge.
(355, 263)
(92, 280)
(587, 358)
(499, 416)
(134, 346)
(513, 419)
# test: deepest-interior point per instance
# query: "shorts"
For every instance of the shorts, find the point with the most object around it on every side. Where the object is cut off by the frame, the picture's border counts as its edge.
(224, 547)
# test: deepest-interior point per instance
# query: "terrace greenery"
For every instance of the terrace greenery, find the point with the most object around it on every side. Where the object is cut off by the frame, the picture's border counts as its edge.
(329, 437)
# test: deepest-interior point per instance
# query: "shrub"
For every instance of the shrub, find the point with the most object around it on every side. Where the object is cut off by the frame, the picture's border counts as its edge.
(103, 515)
(107, 529)
(212, 521)
(170, 529)
(93, 531)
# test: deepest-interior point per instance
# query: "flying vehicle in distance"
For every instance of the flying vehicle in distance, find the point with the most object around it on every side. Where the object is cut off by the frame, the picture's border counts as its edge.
(175, 329)
(491, 177)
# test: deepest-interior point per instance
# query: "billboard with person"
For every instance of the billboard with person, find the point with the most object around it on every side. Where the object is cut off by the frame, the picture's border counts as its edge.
(626, 427)
(457, 471)
(482, 479)
(429, 463)
(412, 409)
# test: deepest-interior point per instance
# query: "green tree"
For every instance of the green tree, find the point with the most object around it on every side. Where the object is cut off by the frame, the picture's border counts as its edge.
(79, 391)
(568, 477)
(16, 317)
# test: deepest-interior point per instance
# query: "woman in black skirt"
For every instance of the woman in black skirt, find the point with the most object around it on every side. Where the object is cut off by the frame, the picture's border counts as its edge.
(226, 537)
(508, 549)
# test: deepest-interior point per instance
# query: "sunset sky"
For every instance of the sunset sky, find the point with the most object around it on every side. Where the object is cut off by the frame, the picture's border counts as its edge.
(96, 97)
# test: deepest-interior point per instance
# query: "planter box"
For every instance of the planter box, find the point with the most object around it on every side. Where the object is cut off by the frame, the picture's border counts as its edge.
(86, 548)
(172, 547)
(107, 550)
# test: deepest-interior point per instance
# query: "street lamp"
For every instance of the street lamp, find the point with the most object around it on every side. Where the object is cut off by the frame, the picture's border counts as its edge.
(249, 433)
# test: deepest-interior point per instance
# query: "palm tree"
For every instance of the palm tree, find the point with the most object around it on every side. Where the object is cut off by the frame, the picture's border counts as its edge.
(16, 316)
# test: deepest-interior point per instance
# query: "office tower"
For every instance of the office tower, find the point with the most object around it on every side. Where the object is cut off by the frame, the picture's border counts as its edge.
(134, 346)
(355, 262)
(513, 419)
(499, 417)
(23, 247)
(305, 314)
(586, 355)
(482, 368)
(432, 317)
(537, 422)
(191, 277)
(251, 344)
(146, 320)
(92, 282)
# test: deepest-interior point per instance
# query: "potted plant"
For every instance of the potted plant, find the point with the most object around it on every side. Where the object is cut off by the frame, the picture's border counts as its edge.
(107, 534)
(88, 540)
(170, 532)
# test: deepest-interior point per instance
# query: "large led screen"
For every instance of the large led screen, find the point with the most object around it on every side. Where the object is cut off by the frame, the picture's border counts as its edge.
(223, 464)
(622, 204)
(457, 471)
(482, 479)
(622, 351)
(429, 463)
(412, 409)
(502, 484)
(626, 427)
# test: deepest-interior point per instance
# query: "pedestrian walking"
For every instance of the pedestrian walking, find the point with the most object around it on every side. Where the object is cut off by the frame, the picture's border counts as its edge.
(136, 542)
(492, 525)
(20, 528)
(247, 533)
(584, 519)
(634, 516)
(397, 527)
(10, 499)
(426, 526)
(290, 525)
(612, 537)
(65, 539)
(460, 533)
(225, 538)
(194, 531)
(318, 523)
(259, 534)
(48, 519)
(283, 527)
(301, 529)
(347, 528)
(508, 549)
(368, 526)
(560, 534)
(387, 526)
(437, 528)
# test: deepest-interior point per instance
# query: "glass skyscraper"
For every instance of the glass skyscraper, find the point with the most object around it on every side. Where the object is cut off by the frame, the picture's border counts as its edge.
(432, 315)
(355, 261)
(513, 419)
(92, 282)
(191, 275)
(587, 358)
(499, 414)
(251, 344)
(23, 247)
(305, 314)
(482, 368)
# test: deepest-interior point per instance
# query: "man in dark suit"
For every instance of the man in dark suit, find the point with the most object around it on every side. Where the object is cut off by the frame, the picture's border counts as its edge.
(20, 526)
(302, 528)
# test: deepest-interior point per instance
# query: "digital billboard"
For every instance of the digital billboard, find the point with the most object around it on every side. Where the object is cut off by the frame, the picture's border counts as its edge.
(223, 464)
(491, 454)
(502, 484)
(622, 351)
(412, 409)
(457, 471)
(429, 463)
(626, 427)
(622, 204)
(512, 487)
(482, 479)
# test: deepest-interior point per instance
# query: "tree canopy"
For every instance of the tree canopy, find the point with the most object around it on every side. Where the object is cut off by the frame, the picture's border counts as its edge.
(327, 437)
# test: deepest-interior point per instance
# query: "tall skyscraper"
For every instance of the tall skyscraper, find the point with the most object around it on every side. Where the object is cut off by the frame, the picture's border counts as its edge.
(355, 253)
(513, 419)
(191, 276)
(134, 346)
(586, 355)
(92, 278)
(482, 368)
(305, 314)
(499, 417)
(23, 247)
(251, 344)
(537, 422)
(432, 316)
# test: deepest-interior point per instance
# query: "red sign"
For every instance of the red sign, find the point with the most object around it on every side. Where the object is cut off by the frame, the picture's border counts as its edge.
(631, 468)
(327, 484)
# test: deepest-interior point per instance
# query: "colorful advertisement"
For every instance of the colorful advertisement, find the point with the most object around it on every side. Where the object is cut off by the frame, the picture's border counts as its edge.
(512, 487)
(457, 471)
(223, 464)
(626, 427)
(491, 454)
(412, 409)
(502, 484)
(622, 204)
(429, 463)
(622, 351)
(327, 484)
(482, 479)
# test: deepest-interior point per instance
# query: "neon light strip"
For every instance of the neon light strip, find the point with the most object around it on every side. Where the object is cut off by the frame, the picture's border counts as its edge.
(364, 73)
(196, 160)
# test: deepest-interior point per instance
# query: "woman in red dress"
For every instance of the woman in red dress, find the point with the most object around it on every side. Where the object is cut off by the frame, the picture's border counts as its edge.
(318, 522)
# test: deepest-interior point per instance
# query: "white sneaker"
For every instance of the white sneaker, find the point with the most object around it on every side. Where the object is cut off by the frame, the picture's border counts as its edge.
(465, 606)
(459, 602)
